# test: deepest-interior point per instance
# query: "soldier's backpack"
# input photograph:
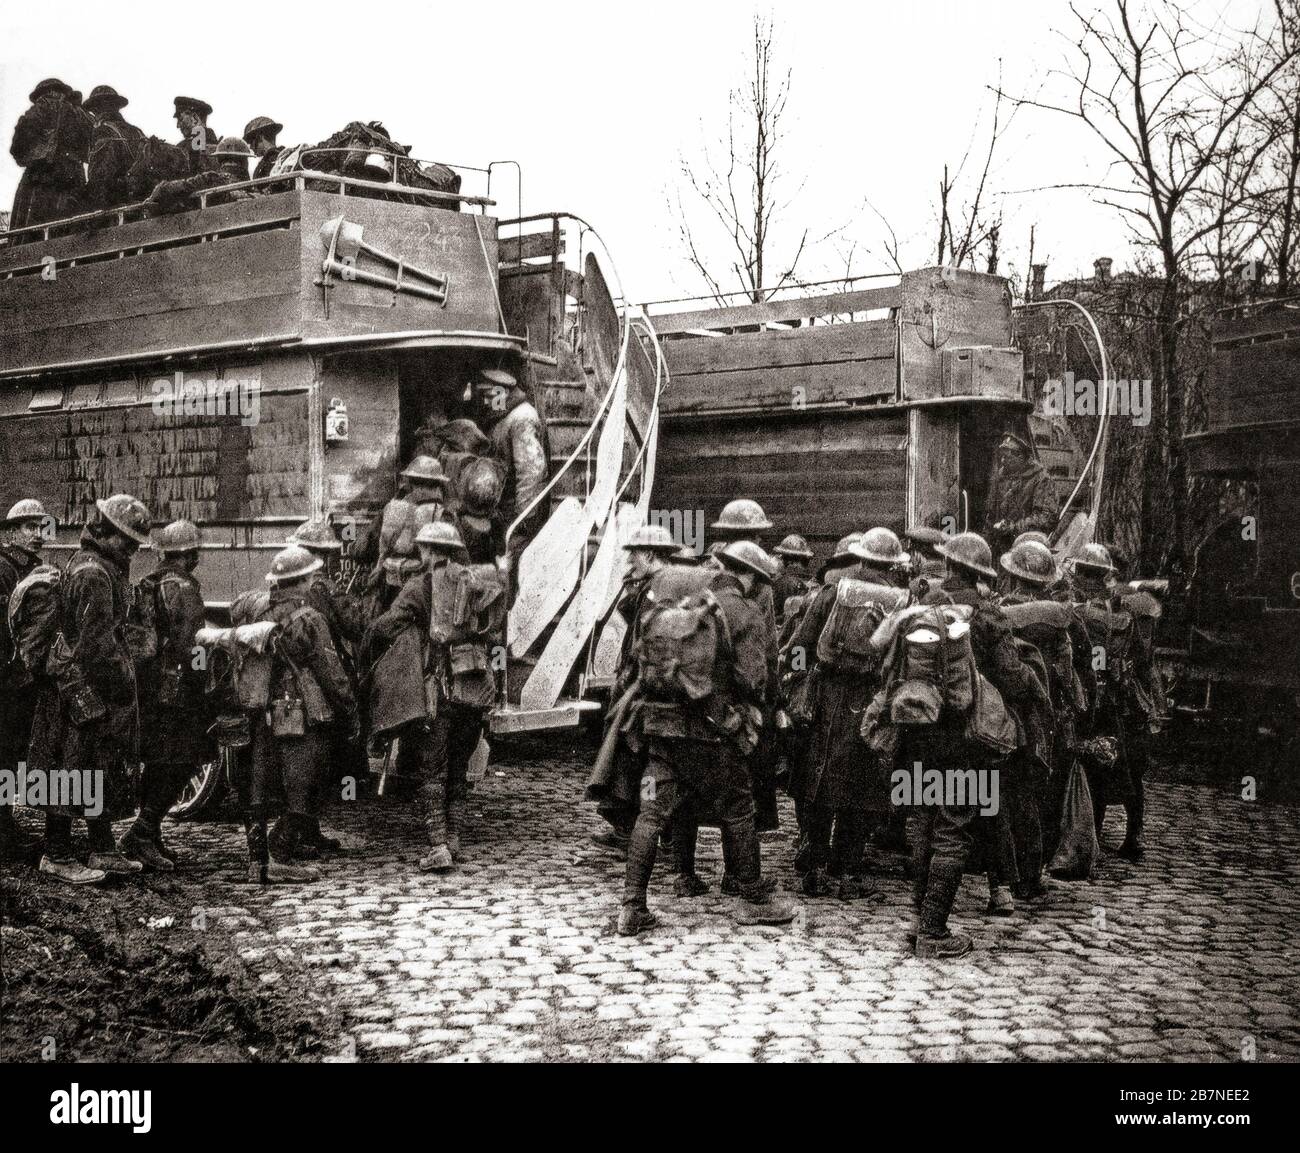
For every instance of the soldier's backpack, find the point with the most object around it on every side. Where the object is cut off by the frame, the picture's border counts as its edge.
(467, 610)
(844, 644)
(1046, 625)
(680, 644)
(1110, 632)
(35, 615)
(156, 161)
(141, 629)
(401, 523)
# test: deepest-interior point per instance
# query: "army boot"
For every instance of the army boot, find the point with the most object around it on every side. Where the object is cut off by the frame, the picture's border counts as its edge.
(760, 905)
(689, 885)
(138, 845)
(1001, 902)
(635, 919)
(71, 872)
(288, 842)
(263, 870)
(933, 939)
(439, 858)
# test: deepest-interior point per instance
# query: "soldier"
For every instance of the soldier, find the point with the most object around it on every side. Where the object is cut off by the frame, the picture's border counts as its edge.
(941, 834)
(1021, 496)
(22, 535)
(1034, 791)
(115, 148)
(51, 143)
(260, 135)
(927, 565)
(519, 441)
(231, 157)
(838, 790)
(1119, 647)
(745, 520)
(310, 695)
(455, 443)
(197, 139)
(390, 542)
(696, 747)
(173, 708)
(346, 619)
(793, 579)
(478, 512)
(86, 719)
(650, 550)
(457, 613)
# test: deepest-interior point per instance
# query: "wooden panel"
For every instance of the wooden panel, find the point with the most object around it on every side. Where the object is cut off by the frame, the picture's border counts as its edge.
(947, 308)
(1279, 544)
(1254, 383)
(934, 464)
(242, 320)
(530, 246)
(259, 212)
(531, 307)
(832, 304)
(820, 344)
(203, 467)
(782, 387)
(824, 475)
(360, 473)
(435, 239)
(264, 264)
(1267, 320)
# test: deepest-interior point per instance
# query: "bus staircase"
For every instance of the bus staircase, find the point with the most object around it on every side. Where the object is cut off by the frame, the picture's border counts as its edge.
(599, 386)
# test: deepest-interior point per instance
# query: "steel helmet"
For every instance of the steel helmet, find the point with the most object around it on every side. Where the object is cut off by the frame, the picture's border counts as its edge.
(427, 469)
(179, 536)
(970, 551)
(1034, 535)
(24, 510)
(316, 535)
(879, 546)
(742, 516)
(291, 564)
(440, 534)
(127, 515)
(749, 557)
(231, 146)
(794, 546)
(1031, 561)
(928, 538)
(1095, 558)
(652, 538)
(482, 482)
(258, 125)
(462, 434)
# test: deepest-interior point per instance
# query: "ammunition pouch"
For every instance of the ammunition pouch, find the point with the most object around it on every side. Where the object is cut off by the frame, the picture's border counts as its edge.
(287, 717)
(471, 682)
(232, 731)
(83, 704)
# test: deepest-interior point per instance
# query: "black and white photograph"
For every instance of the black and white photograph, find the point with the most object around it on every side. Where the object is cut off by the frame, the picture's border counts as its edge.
(608, 534)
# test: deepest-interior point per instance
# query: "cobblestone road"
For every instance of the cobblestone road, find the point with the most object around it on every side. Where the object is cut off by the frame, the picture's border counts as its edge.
(1194, 954)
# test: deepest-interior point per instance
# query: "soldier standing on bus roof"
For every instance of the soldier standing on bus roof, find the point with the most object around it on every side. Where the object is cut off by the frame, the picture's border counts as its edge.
(346, 618)
(457, 612)
(1020, 497)
(260, 135)
(310, 694)
(519, 441)
(50, 144)
(197, 139)
(22, 535)
(114, 149)
(87, 717)
(173, 707)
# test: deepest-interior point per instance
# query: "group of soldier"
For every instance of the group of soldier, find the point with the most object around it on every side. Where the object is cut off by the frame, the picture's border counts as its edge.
(742, 671)
(82, 155)
(90, 663)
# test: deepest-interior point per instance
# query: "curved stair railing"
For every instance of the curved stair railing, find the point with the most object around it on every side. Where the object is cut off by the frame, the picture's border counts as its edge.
(562, 591)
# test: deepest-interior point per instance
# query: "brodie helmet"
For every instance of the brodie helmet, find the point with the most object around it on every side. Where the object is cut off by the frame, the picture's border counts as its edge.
(879, 546)
(746, 556)
(970, 551)
(291, 564)
(794, 546)
(1031, 561)
(179, 536)
(127, 515)
(742, 516)
(652, 538)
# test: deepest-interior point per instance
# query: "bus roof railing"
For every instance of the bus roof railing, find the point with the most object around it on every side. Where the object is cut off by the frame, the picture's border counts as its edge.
(297, 178)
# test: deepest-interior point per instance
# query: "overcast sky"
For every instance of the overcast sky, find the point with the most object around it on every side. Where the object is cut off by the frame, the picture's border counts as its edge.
(597, 101)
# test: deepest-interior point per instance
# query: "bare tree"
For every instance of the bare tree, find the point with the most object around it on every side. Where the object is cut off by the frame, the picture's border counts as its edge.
(1169, 100)
(735, 192)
